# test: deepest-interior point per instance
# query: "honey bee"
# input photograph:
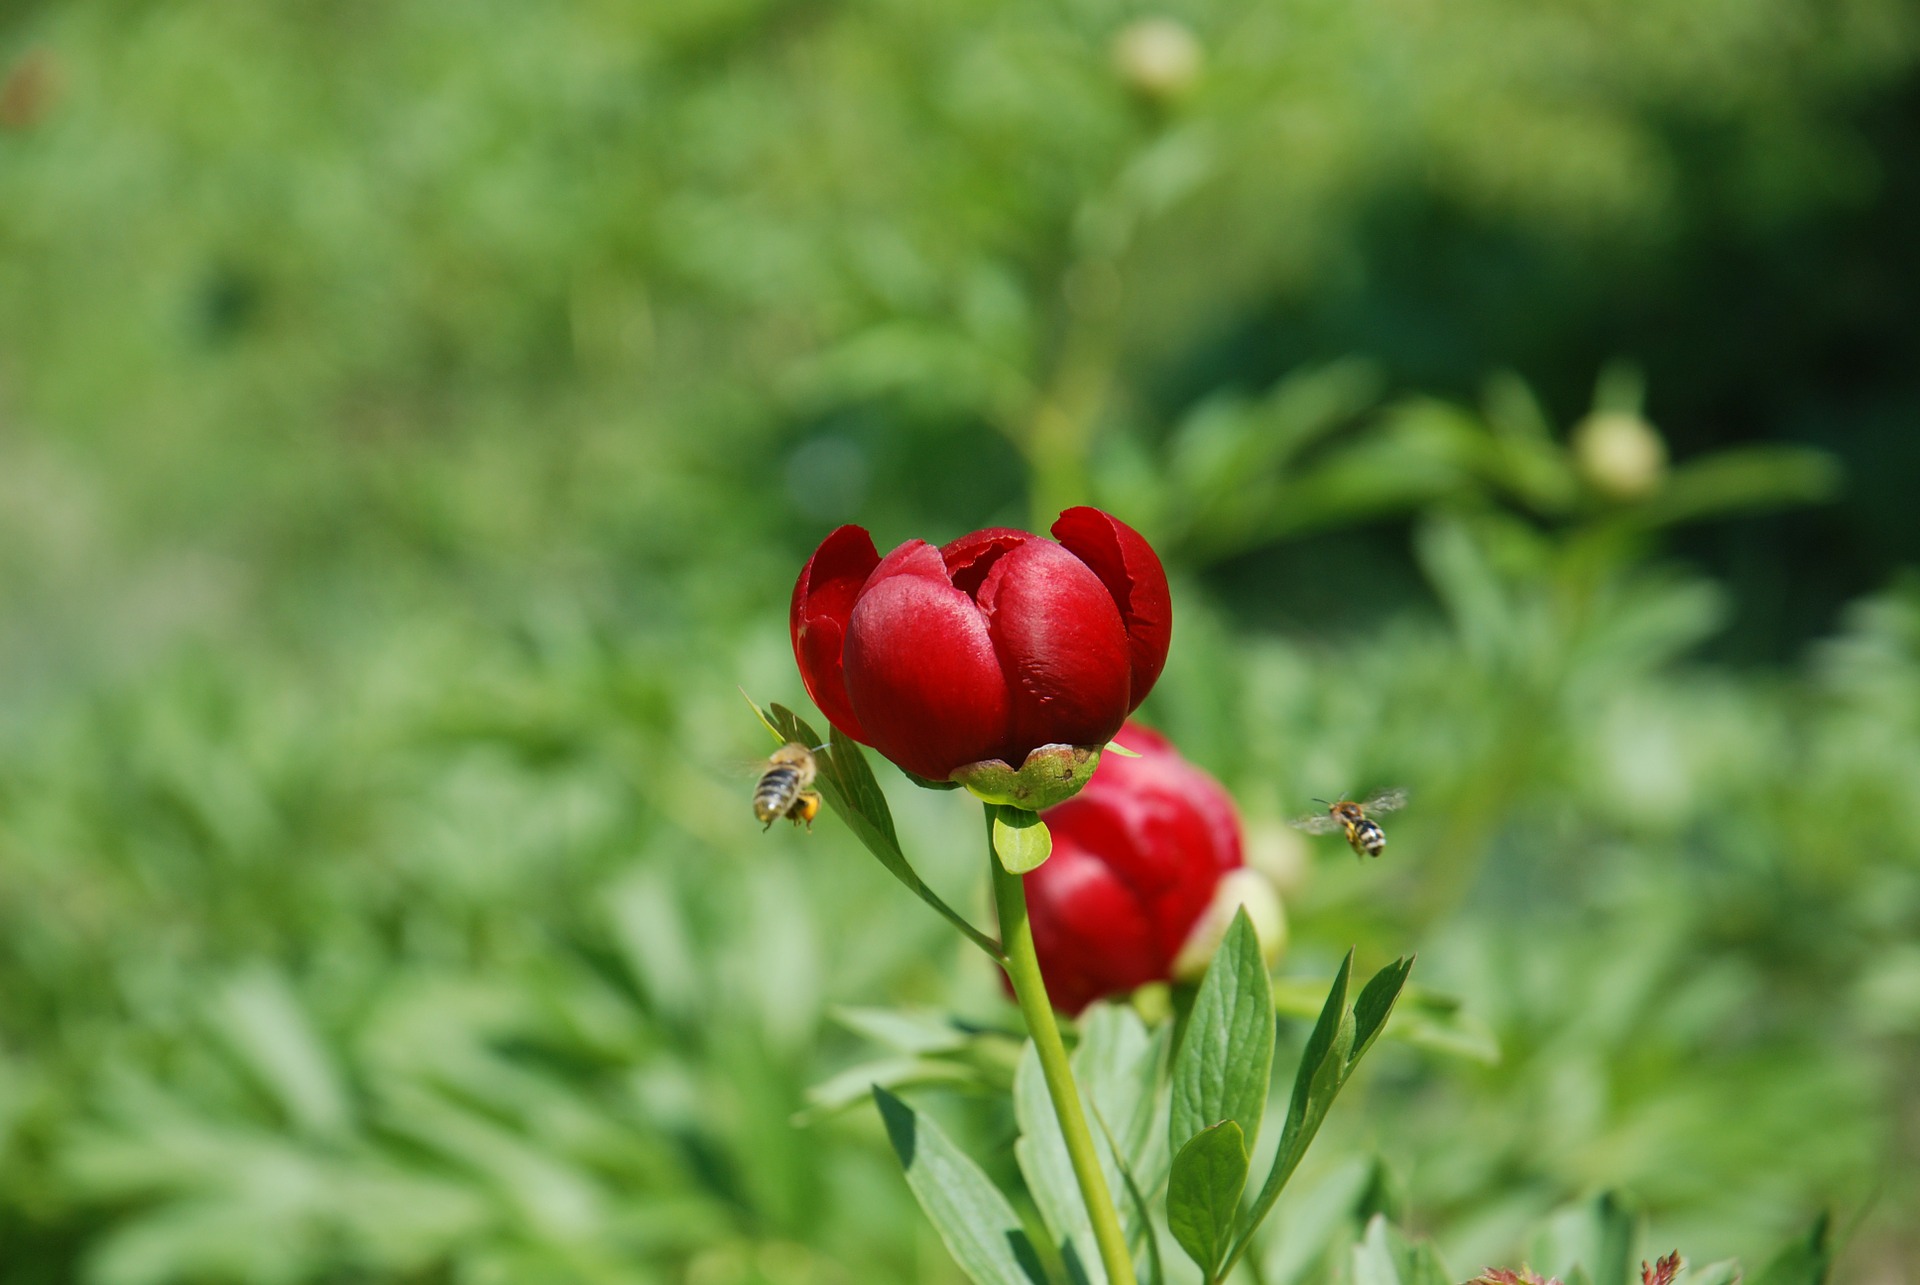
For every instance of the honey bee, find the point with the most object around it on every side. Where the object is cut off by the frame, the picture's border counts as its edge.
(1364, 834)
(784, 790)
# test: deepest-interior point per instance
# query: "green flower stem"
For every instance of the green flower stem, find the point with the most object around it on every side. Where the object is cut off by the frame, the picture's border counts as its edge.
(1023, 969)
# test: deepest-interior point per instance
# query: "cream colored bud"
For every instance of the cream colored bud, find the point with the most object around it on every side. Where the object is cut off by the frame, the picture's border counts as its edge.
(1243, 887)
(1159, 58)
(1281, 854)
(1620, 453)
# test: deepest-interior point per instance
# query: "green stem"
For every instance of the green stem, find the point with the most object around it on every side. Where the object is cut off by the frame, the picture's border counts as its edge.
(1023, 969)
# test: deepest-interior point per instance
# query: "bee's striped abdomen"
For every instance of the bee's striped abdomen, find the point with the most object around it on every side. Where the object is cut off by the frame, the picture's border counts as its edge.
(1369, 836)
(778, 789)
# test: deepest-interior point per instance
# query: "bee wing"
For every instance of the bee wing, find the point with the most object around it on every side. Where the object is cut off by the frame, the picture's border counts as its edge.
(1386, 801)
(1316, 823)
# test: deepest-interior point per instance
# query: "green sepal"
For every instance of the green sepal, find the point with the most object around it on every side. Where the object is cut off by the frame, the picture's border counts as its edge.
(1051, 774)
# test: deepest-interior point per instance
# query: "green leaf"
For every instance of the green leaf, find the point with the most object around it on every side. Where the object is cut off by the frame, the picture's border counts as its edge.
(1226, 1056)
(1385, 1257)
(1617, 1227)
(847, 784)
(1598, 1235)
(1425, 1019)
(1804, 1262)
(1020, 839)
(1724, 1272)
(1119, 1064)
(1743, 479)
(1137, 1206)
(975, 1222)
(1375, 1004)
(1323, 1069)
(1320, 1047)
(1203, 1195)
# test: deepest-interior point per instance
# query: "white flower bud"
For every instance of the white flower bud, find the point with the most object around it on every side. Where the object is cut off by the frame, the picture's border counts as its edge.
(1238, 888)
(1159, 58)
(1620, 454)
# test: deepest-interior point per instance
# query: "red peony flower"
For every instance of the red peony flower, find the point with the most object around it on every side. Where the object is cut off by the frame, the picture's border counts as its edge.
(989, 648)
(1145, 876)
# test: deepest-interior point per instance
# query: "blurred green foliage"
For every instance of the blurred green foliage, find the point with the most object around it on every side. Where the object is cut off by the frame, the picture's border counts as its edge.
(412, 417)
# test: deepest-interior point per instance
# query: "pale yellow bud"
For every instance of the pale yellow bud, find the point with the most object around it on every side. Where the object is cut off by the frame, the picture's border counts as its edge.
(1243, 887)
(1159, 58)
(1620, 454)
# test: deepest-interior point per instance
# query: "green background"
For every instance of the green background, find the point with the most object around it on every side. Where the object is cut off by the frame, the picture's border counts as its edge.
(413, 415)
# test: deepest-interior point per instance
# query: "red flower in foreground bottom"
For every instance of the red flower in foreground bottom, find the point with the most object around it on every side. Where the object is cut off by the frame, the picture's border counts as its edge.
(988, 648)
(1145, 876)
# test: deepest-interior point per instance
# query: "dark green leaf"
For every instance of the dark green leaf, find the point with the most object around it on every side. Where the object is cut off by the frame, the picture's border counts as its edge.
(977, 1225)
(1804, 1262)
(1203, 1194)
(1225, 1060)
(1020, 839)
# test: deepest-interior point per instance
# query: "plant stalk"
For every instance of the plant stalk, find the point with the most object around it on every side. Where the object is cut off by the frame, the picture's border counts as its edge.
(1023, 969)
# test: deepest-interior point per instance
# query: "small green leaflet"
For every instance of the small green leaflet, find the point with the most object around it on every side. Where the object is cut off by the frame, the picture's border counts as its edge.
(1203, 1194)
(1020, 839)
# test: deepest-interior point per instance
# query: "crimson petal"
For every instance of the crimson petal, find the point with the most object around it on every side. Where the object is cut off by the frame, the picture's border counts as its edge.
(1061, 645)
(823, 600)
(1131, 571)
(921, 672)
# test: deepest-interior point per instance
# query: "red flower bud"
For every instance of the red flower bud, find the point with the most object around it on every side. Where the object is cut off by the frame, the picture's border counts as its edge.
(1146, 866)
(989, 648)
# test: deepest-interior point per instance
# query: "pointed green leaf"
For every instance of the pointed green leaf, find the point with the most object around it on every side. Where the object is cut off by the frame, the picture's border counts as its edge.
(1203, 1194)
(975, 1222)
(1323, 1066)
(1425, 1019)
(1375, 1005)
(1020, 839)
(846, 783)
(1724, 1272)
(1386, 1257)
(1141, 1219)
(1617, 1234)
(1804, 1262)
(1333, 1015)
(1225, 1060)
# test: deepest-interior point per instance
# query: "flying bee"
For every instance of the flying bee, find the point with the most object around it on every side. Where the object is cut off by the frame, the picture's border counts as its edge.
(784, 790)
(1364, 834)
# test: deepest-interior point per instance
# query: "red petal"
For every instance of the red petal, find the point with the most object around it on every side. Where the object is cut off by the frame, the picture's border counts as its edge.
(1165, 829)
(971, 556)
(1061, 645)
(823, 599)
(1089, 931)
(920, 668)
(1132, 573)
